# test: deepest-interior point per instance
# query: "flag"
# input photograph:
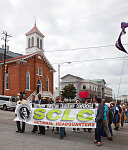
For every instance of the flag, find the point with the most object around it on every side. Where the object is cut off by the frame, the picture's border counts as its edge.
(118, 44)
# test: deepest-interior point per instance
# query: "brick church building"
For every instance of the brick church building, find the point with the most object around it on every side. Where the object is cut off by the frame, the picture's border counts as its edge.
(31, 73)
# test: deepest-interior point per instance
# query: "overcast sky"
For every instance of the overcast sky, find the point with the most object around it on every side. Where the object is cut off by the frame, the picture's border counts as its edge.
(72, 24)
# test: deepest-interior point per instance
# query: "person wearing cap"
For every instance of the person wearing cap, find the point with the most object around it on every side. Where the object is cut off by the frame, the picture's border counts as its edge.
(106, 120)
(110, 120)
(98, 120)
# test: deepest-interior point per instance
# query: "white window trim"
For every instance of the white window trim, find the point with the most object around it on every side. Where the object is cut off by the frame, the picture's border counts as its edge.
(38, 46)
(28, 90)
(41, 44)
(29, 82)
(5, 82)
(38, 71)
(29, 42)
(48, 83)
(41, 72)
(32, 41)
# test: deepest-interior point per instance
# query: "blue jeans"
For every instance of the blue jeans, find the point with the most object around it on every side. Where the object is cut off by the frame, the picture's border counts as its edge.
(98, 131)
(110, 129)
(57, 129)
(62, 131)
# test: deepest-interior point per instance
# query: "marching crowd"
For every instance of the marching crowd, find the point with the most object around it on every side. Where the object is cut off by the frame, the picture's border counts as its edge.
(107, 115)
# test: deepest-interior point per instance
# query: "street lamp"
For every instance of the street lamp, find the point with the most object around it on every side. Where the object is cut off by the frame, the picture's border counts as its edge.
(59, 74)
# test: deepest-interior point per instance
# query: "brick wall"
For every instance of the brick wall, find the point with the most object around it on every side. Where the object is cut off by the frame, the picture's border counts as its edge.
(17, 76)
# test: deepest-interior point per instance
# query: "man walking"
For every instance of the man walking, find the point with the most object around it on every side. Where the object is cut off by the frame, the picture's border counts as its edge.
(99, 119)
(35, 127)
(106, 120)
(41, 128)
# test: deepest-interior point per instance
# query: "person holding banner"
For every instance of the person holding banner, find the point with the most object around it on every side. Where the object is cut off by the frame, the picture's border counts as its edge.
(89, 129)
(98, 120)
(41, 128)
(62, 129)
(35, 127)
(76, 129)
(19, 129)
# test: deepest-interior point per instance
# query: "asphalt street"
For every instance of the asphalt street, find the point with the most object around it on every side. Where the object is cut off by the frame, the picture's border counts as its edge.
(10, 140)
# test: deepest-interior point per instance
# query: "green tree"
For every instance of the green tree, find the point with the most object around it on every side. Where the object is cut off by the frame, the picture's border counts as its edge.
(69, 91)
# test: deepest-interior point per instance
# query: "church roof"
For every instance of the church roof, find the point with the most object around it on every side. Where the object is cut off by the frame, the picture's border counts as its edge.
(24, 57)
(34, 30)
(9, 54)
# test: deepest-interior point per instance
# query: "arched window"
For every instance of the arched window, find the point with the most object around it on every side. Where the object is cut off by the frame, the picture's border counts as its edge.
(41, 71)
(27, 81)
(37, 70)
(28, 42)
(47, 84)
(32, 41)
(40, 44)
(7, 81)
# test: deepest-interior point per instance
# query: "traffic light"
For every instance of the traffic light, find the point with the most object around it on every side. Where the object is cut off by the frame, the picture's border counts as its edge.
(6, 68)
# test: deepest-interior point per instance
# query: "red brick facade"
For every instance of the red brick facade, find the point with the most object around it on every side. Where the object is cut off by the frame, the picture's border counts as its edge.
(17, 71)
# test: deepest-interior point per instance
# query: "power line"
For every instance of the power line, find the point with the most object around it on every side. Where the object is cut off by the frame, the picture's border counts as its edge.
(82, 48)
(100, 59)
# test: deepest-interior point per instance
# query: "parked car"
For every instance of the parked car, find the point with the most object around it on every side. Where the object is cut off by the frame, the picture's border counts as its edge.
(7, 102)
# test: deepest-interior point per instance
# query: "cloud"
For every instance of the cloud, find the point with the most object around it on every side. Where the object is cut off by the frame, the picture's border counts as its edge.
(71, 24)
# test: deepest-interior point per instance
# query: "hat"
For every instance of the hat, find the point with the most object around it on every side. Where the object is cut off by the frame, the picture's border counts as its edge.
(44, 98)
(108, 104)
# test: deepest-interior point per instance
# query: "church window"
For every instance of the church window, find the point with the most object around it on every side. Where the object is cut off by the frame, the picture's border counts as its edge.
(32, 41)
(41, 71)
(38, 42)
(27, 81)
(47, 84)
(28, 42)
(37, 70)
(84, 87)
(7, 81)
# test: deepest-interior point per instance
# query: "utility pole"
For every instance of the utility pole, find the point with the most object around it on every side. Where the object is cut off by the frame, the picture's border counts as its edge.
(59, 78)
(4, 58)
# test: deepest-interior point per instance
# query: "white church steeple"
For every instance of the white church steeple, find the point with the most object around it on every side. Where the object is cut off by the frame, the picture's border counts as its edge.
(34, 40)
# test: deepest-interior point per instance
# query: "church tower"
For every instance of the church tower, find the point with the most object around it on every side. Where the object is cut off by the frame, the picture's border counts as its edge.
(34, 40)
